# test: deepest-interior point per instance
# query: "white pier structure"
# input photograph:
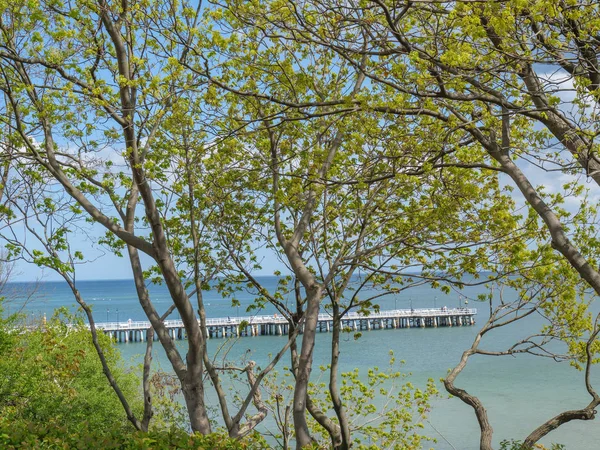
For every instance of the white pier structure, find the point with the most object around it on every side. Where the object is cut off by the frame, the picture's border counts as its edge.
(277, 325)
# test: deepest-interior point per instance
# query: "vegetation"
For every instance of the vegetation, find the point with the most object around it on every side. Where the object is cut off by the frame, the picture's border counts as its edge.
(356, 140)
(54, 394)
(51, 376)
(384, 410)
(18, 435)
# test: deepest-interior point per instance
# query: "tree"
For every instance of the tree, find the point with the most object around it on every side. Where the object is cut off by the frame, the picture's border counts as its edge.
(352, 138)
(472, 68)
(86, 81)
(350, 191)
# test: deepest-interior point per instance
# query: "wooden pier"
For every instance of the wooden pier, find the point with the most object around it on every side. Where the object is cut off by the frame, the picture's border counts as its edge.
(276, 325)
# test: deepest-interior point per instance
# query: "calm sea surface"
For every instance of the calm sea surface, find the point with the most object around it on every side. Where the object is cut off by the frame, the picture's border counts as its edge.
(519, 392)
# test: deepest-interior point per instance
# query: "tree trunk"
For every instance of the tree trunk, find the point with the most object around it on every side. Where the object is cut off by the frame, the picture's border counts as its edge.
(303, 438)
(485, 438)
(193, 393)
(342, 441)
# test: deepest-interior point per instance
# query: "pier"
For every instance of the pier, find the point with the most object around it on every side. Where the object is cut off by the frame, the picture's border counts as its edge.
(276, 325)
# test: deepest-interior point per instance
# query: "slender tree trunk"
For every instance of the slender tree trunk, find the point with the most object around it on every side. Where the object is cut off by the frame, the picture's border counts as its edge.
(148, 412)
(485, 438)
(343, 439)
(560, 240)
(303, 437)
(106, 369)
(588, 413)
(193, 393)
(191, 375)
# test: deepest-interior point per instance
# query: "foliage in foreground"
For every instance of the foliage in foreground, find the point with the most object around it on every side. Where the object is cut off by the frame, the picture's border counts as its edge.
(23, 435)
(54, 395)
(51, 375)
(384, 409)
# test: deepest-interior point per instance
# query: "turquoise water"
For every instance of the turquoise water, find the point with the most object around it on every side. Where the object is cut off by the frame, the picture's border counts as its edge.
(519, 392)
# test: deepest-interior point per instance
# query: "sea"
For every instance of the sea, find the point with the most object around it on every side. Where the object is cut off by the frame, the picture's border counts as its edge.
(519, 392)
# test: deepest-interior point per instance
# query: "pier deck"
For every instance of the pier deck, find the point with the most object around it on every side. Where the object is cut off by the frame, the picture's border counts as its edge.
(131, 331)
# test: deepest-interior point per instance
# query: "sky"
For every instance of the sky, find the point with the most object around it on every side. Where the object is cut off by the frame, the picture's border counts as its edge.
(112, 267)
(107, 266)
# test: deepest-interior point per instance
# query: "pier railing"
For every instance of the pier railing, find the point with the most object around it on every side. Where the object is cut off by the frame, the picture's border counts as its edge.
(277, 319)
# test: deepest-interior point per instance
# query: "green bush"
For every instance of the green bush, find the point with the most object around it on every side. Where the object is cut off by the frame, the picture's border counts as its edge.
(22, 435)
(54, 394)
(52, 374)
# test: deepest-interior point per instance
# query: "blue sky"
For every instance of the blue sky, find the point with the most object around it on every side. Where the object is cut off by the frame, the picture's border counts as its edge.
(108, 267)
(111, 267)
